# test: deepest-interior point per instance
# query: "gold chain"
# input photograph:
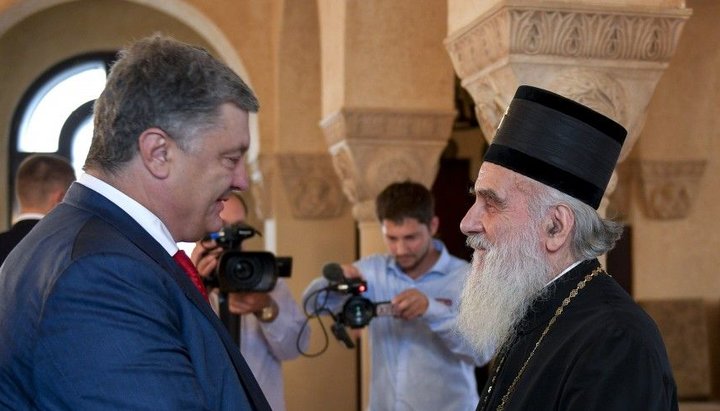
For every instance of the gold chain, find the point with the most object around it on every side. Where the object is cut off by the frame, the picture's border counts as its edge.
(552, 321)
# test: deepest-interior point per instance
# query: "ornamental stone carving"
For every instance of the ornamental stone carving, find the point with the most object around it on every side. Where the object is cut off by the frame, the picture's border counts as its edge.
(611, 58)
(599, 33)
(372, 148)
(311, 185)
(606, 34)
(594, 89)
(383, 125)
(366, 168)
(669, 188)
(345, 170)
(490, 103)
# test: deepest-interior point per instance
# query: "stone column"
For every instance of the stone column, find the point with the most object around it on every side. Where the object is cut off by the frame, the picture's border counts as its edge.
(387, 104)
(372, 148)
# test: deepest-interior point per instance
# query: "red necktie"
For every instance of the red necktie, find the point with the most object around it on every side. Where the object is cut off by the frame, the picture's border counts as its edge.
(184, 262)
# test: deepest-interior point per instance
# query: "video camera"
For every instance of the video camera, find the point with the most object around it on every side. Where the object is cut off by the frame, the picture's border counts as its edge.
(239, 271)
(357, 311)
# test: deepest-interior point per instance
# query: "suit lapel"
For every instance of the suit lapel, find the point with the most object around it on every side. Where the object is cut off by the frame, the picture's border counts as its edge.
(89, 200)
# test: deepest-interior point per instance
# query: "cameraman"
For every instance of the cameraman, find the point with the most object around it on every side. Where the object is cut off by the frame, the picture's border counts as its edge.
(418, 361)
(270, 322)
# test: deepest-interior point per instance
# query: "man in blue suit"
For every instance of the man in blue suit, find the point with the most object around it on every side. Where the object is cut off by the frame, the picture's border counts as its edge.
(95, 312)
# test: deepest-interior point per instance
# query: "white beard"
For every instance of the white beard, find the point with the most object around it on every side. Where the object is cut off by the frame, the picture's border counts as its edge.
(500, 288)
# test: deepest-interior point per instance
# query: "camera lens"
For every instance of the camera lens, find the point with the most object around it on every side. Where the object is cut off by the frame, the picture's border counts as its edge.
(243, 273)
(246, 271)
(358, 311)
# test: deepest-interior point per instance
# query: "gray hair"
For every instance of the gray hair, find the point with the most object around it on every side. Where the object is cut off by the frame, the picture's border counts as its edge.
(592, 235)
(161, 82)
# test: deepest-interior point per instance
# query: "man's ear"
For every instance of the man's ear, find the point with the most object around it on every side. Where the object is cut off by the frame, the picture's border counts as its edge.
(153, 145)
(558, 227)
(57, 195)
(434, 224)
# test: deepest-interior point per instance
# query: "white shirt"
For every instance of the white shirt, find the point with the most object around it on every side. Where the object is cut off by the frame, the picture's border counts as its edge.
(27, 216)
(265, 345)
(564, 271)
(147, 220)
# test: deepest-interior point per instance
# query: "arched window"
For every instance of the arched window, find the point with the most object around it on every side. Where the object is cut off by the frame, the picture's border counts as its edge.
(55, 114)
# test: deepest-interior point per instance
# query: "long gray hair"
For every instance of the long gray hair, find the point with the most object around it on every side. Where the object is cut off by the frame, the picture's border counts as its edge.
(592, 235)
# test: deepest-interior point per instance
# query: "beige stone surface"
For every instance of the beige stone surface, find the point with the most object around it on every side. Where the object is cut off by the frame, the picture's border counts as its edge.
(392, 55)
(679, 257)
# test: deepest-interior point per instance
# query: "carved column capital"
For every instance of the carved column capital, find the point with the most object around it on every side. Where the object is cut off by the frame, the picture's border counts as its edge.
(669, 188)
(365, 211)
(518, 28)
(372, 148)
(609, 58)
(311, 185)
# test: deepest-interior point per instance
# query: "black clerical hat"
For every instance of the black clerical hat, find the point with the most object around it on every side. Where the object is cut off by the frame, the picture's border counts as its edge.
(558, 142)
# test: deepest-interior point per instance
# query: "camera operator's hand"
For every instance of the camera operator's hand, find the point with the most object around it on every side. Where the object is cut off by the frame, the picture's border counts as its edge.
(260, 304)
(350, 271)
(205, 256)
(410, 304)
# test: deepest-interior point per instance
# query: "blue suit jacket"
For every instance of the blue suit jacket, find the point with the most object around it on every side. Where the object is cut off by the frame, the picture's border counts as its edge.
(94, 314)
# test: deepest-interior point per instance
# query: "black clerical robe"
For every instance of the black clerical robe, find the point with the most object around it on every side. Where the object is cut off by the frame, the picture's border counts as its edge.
(602, 353)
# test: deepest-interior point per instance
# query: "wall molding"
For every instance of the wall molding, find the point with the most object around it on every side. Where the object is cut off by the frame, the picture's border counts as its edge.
(311, 185)
(669, 188)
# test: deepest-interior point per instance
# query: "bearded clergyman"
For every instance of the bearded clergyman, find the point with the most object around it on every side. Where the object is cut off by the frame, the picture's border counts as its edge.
(568, 337)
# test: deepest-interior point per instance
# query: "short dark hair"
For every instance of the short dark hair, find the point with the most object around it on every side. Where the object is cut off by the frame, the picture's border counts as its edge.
(406, 199)
(161, 82)
(39, 175)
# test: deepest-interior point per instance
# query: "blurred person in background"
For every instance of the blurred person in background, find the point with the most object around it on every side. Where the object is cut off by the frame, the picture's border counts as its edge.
(419, 362)
(40, 184)
(270, 328)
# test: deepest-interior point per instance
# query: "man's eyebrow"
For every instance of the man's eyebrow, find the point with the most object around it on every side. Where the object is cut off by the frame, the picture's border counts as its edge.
(491, 196)
(240, 150)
